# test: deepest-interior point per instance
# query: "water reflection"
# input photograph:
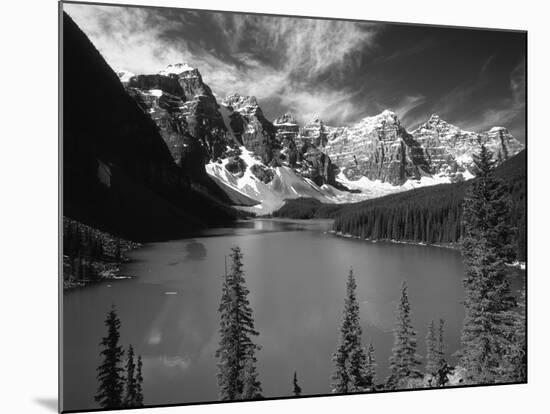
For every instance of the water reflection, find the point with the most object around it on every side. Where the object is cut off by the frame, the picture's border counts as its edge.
(195, 251)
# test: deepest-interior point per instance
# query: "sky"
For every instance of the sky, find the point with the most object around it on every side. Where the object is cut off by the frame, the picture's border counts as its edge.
(340, 71)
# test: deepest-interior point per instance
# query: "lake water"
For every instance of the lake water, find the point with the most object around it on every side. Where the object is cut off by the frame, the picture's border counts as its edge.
(296, 273)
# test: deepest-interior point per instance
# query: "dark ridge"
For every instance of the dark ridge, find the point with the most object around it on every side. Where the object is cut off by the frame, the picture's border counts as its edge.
(118, 174)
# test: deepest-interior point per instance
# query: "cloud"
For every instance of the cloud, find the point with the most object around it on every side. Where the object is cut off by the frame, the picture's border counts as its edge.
(509, 111)
(329, 105)
(407, 105)
(306, 47)
(275, 59)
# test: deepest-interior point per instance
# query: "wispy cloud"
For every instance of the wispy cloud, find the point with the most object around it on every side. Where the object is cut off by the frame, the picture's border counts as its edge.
(407, 105)
(270, 58)
(339, 70)
(509, 111)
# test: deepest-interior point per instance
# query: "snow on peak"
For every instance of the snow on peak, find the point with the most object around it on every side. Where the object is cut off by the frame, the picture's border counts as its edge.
(124, 75)
(386, 113)
(371, 122)
(176, 69)
(286, 119)
(237, 101)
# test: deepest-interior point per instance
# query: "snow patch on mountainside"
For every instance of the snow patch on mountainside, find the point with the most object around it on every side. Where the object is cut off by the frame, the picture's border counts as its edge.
(376, 188)
(176, 69)
(124, 76)
(285, 184)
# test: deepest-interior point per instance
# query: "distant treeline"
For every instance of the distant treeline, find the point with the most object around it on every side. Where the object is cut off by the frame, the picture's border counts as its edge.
(426, 215)
(307, 208)
(90, 254)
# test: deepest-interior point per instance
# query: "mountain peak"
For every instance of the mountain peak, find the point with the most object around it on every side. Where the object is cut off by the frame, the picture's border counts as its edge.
(177, 69)
(387, 113)
(498, 129)
(237, 101)
(316, 120)
(375, 121)
(286, 119)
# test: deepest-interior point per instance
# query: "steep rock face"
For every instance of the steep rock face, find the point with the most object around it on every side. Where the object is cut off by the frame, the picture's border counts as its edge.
(314, 133)
(449, 149)
(287, 131)
(378, 148)
(301, 149)
(316, 165)
(250, 127)
(168, 84)
(186, 112)
(201, 110)
(118, 174)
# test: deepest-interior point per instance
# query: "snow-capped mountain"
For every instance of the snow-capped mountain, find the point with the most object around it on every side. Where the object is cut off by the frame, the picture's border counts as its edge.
(449, 149)
(245, 120)
(378, 148)
(259, 163)
(247, 175)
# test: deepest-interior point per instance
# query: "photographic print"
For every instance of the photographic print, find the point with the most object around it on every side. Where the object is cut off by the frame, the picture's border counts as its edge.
(262, 206)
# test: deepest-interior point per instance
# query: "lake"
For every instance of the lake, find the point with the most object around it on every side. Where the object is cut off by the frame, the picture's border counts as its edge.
(296, 273)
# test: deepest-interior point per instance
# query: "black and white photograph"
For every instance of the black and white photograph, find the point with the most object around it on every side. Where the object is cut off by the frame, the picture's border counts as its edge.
(260, 206)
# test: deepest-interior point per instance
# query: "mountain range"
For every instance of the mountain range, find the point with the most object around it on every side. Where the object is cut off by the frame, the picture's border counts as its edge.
(150, 156)
(259, 162)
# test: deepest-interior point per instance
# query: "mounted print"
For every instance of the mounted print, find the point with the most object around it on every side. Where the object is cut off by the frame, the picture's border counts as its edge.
(261, 207)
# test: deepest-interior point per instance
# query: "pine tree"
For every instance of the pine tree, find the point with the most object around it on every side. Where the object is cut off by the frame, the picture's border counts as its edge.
(370, 368)
(236, 352)
(441, 377)
(139, 383)
(404, 361)
(432, 353)
(130, 396)
(516, 356)
(350, 357)
(251, 386)
(486, 247)
(297, 389)
(110, 377)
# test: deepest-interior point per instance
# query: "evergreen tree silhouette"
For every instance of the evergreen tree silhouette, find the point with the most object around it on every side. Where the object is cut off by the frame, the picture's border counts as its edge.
(237, 376)
(404, 361)
(110, 372)
(350, 357)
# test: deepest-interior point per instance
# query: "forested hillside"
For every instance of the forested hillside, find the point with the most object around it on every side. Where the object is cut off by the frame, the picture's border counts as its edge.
(427, 215)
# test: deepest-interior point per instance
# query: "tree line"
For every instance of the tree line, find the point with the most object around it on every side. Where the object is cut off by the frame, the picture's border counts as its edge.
(88, 252)
(430, 215)
(435, 214)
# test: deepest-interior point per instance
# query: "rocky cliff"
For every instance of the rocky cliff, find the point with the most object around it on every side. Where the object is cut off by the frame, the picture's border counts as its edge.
(378, 148)
(250, 127)
(449, 149)
(287, 133)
